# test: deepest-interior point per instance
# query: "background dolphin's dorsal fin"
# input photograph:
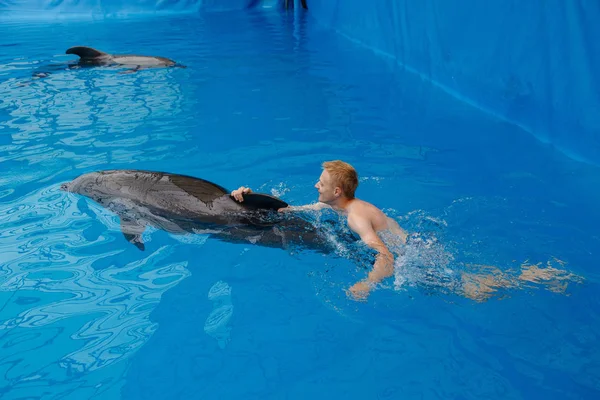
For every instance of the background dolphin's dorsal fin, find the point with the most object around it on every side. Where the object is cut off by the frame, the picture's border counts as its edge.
(86, 52)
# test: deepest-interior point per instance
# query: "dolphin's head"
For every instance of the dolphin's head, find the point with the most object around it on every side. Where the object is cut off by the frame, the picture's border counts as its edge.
(84, 184)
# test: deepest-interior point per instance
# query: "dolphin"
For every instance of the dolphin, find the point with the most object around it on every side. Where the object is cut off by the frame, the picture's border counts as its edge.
(182, 204)
(89, 56)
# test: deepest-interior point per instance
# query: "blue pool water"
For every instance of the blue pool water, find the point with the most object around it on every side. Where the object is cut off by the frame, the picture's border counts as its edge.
(84, 314)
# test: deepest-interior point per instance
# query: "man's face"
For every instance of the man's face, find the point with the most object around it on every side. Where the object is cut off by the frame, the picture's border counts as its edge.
(328, 192)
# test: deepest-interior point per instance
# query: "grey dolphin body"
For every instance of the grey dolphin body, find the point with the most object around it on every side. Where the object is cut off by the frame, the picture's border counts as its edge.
(182, 204)
(91, 57)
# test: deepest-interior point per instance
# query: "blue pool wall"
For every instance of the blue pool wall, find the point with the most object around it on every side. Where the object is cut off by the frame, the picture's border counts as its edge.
(535, 64)
(95, 8)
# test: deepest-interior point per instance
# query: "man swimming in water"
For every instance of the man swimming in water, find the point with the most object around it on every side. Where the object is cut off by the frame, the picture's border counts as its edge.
(337, 185)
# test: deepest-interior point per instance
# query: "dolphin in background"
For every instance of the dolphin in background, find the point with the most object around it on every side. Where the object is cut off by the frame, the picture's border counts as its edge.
(183, 204)
(89, 56)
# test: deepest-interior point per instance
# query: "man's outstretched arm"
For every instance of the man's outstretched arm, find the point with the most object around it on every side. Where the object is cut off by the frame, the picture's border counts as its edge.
(307, 207)
(384, 261)
(238, 194)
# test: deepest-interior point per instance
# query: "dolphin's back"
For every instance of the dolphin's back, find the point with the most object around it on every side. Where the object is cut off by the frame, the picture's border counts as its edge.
(201, 189)
(180, 195)
(142, 61)
(189, 197)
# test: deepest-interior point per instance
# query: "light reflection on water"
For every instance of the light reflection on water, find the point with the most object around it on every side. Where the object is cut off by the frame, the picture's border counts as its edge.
(44, 253)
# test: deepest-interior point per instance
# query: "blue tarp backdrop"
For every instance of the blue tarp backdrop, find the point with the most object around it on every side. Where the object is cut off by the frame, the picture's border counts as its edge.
(96, 7)
(536, 63)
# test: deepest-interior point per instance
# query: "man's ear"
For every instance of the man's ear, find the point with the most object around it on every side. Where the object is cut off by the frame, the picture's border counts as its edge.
(337, 191)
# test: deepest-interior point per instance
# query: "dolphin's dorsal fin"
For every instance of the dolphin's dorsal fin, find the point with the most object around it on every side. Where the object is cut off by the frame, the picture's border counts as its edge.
(132, 231)
(86, 52)
(201, 189)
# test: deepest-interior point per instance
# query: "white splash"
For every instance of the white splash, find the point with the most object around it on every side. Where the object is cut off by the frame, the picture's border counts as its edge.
(279, 190)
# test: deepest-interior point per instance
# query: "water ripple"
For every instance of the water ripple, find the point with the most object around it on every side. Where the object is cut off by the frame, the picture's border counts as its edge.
(44, 252)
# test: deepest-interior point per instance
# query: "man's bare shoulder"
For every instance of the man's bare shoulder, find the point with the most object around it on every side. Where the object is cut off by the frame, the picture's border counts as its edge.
(361, 207)
(379, 221)
(364, 210)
